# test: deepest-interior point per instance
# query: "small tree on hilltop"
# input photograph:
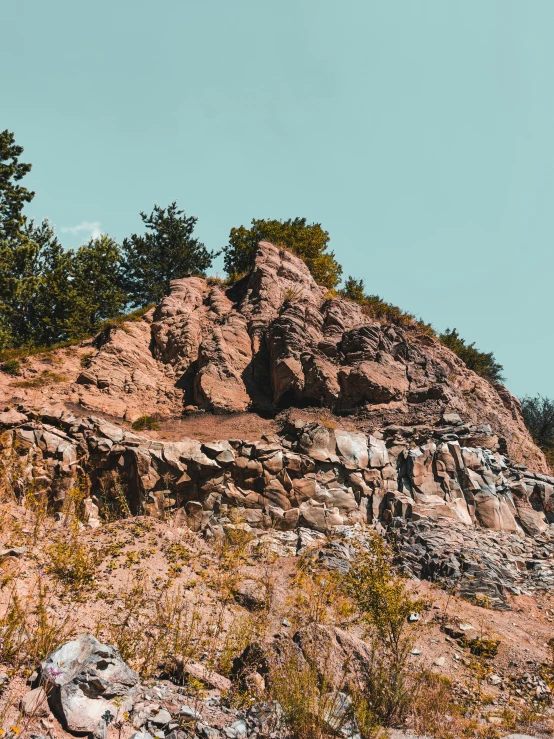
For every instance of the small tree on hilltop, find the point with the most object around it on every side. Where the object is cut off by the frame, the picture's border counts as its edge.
(354, 290)
(166, 252)
(309, 241)
(97, 288)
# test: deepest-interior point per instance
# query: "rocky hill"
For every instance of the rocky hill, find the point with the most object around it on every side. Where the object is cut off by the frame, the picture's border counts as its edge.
(274, 340)
(295, 424)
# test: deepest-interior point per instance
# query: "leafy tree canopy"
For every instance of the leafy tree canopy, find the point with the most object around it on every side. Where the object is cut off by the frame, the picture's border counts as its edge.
(308, 241)
(484, 363)
(165, 252)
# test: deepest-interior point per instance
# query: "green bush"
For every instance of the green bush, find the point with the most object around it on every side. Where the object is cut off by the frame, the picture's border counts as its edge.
(383, 603)
(309, 241)
(146, 422)
(376, 307)
(483, 363)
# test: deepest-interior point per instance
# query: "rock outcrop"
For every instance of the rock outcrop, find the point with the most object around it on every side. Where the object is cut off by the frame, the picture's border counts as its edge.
(309, 478)
(275, 340)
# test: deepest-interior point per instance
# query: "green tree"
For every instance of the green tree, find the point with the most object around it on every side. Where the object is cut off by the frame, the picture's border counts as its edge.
(55, 299)
(18, 248)
(19, 279)
(13, 195)
(538, 414)
(354, 290)
(96, 291)
(483, 363)
(308, 241)
(166, 252)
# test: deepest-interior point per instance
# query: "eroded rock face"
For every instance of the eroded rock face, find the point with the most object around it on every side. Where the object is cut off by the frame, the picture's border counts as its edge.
(275, 340)
(310, 480)
(310, 475)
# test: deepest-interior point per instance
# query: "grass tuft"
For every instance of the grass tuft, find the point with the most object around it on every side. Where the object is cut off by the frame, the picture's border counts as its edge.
(146, 422)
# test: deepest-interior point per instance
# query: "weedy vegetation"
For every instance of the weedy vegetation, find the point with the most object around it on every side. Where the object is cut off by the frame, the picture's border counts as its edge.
(146, 423)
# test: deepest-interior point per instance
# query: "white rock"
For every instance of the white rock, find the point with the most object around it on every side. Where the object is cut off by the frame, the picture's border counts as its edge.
(83, 677)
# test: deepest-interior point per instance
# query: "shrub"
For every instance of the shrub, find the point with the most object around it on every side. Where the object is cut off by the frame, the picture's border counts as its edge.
(115, 502)
(70, 558)
(86, 360)
(311, 707)
(376, 307)
(483, 363)
(72, 561)
(308, 241)
(538, 414)
(317, 596)
(145, 422)
(383, 605)
(30, 629)
(150, 629)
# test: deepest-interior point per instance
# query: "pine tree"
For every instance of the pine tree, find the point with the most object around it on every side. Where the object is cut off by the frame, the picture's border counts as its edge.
(18, 247)
(166, 252)
(96, 286)
(55, 300)
(19, 279)
(13, 196)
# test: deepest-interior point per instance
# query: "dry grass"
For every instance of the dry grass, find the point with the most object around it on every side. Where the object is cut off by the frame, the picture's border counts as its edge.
(31, 629)
(311, 706)
(45, 378)
(190, 613)
(292, 294)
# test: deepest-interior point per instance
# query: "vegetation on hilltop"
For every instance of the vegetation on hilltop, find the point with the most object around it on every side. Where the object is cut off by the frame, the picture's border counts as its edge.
(376, 307)
(483, 363)
(308, 241)
(165, 252)
(51, 296)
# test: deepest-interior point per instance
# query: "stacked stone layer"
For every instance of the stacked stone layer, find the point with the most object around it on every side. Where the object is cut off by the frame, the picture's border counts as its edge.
(432, 486)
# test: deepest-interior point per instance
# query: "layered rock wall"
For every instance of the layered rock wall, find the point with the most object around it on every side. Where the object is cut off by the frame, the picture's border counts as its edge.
(442, 492)
(309, 475)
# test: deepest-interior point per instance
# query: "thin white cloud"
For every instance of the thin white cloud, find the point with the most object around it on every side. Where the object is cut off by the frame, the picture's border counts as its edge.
(90, 229)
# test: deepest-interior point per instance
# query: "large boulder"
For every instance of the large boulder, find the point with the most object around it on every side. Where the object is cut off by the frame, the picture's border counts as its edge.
(88, 685)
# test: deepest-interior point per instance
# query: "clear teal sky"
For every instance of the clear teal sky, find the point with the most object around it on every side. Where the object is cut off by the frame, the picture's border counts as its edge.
(420, 133)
